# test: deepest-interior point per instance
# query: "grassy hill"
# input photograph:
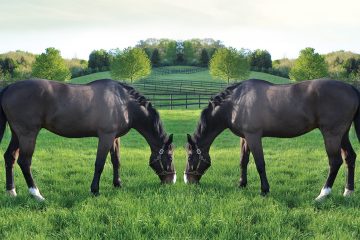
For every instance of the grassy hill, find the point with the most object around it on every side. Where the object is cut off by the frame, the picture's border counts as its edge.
(199, 76)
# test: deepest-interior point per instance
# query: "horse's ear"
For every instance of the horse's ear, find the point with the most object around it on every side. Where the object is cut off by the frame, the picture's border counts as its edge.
(148, 104)
(190, 139)
(170, 139)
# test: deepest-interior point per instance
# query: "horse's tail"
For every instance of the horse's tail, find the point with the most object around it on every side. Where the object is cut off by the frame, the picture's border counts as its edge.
(3, 118)
(357, 116)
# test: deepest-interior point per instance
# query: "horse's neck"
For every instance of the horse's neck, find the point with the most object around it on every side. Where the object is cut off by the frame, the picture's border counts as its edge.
(210, 131)
(147, 129)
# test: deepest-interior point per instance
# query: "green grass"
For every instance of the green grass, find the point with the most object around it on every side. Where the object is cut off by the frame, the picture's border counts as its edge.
(144, 209)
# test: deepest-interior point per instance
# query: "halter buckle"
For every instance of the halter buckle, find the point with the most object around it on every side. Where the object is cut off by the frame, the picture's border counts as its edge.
(198, 151)
(161, 151)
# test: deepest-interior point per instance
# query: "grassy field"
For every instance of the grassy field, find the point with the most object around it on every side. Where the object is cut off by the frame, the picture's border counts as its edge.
(144, 209)
(199, 76)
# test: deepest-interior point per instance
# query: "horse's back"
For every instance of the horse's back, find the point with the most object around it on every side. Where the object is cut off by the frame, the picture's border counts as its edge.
(289, 110)
(62, 108)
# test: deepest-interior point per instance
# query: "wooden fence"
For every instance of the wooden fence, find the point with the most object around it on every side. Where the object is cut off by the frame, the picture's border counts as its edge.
(173, 100)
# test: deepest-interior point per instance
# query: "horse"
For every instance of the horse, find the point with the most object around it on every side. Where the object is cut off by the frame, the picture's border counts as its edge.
(105, 109)
(254, 109)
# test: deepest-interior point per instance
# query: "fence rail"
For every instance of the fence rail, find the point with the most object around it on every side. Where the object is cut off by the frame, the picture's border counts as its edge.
(178, 100)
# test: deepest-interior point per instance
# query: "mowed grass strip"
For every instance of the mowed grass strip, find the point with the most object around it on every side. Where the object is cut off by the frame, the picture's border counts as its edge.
(144, 209)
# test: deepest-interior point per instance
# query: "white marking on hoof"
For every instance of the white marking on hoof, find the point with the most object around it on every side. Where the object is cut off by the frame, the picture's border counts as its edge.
(35, 192)
(348, 193)
(185, 179)
(323, 194)
(12, 192)
(174, 179)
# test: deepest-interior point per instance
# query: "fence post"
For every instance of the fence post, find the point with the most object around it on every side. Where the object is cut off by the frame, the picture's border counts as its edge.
(199, 101)
(171, 101)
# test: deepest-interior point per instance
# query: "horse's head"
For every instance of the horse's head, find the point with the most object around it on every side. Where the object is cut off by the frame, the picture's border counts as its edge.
(161, 161)
(198, 162)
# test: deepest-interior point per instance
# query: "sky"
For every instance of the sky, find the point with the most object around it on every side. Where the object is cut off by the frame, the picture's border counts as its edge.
(76, 27)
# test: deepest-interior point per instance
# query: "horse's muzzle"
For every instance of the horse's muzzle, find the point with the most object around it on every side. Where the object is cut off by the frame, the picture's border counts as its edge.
(191, 178)
(168, 178)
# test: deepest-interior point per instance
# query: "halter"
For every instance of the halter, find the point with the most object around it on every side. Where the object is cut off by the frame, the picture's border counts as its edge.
(163, 172)
(201, 159)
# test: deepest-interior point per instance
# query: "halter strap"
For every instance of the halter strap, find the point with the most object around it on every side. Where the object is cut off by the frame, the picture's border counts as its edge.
(201, 159)
(158, 159)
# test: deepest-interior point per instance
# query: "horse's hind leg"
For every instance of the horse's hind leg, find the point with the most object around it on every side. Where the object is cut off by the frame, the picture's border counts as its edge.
(332, 145)
(10, 157)
(115, 160)
(27, 146)
(349, 156)
(244, 160)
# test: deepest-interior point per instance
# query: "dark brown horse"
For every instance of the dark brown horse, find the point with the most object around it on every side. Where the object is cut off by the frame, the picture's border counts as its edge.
(254, 109)
(105, 109)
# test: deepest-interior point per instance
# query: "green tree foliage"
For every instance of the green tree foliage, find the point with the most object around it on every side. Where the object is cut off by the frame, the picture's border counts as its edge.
(50, 65)
(189, 53)
(229, 64)
(309, 65)
(99, 60)
(352, 68)
(283, 66)
(260, 59)
(131, 64)
(8, 66)
(336, 62)
(155, 58)
(204, 58)
(77, 67)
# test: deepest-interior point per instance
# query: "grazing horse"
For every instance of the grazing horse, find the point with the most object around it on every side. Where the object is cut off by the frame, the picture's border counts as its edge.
(254, 109)
(105, 109)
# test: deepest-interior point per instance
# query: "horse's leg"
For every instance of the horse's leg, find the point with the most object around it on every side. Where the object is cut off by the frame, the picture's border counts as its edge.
(255, 145)
(10, 157)
(349, 156)
(104, 145)
(244, 160)
(27, 146)
(332, 145)
(115, 159)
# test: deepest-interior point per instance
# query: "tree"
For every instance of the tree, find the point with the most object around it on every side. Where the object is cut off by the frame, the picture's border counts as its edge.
(155, 58)
(229, 64)
(99, 60)
(309, 65)
(130, 64)
(50, 65)
(260, 59)
(204, 58)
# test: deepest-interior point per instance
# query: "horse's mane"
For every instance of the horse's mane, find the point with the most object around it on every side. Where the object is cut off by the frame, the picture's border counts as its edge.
(141, 100)
(217, 100)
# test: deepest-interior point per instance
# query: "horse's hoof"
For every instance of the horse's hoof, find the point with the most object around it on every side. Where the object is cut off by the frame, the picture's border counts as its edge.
(95, 194)
(264, 193)
(323, 194)
(36, 194)
(12, 192)
(348, 193)
(118, 184)
(242, 184)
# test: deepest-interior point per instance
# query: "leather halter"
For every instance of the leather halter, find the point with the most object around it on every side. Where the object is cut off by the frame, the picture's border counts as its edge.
(201, 159)
(162, 171)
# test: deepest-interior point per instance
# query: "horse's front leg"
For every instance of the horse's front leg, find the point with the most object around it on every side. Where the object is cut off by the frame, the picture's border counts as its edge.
(255, 145)
(104, 145)
(115, 159)
(244, 160)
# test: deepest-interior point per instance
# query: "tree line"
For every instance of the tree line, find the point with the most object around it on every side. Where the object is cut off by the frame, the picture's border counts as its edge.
(194, 52)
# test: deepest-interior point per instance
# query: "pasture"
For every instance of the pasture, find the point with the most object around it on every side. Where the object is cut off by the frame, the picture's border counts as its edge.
(144, 209)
